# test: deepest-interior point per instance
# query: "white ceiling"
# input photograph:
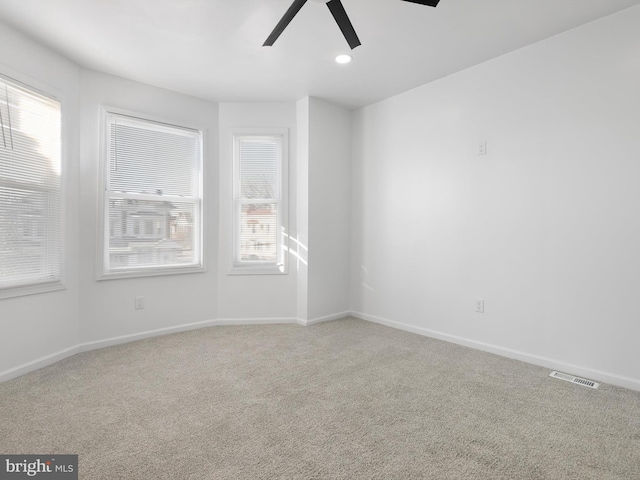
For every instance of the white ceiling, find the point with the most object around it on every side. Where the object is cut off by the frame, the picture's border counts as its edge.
(213, 48)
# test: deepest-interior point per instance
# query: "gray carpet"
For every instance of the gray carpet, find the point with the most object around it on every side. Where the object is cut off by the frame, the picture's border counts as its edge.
(345, 399)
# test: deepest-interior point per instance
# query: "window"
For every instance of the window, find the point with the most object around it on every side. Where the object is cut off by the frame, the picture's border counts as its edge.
(152, 198)
(260, 213)
(30, 191)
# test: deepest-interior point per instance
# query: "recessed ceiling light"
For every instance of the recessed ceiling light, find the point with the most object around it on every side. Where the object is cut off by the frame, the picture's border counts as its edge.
(343, 58)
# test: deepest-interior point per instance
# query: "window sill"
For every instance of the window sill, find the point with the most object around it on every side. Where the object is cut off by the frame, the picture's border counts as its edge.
(150, 272)
(31, 290)
(258, 270)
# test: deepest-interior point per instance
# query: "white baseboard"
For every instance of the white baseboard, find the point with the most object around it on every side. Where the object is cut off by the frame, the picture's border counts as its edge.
(326, 318)
(38, 363)
(108, 342)
(182, 328)
(605, 377)
(256, 321)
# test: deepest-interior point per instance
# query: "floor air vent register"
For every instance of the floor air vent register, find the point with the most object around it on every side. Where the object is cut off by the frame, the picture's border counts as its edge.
(577, 380)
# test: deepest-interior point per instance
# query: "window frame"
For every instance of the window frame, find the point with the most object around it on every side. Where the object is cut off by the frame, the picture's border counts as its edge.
(41, 88)
(102, 252)
(280, 266)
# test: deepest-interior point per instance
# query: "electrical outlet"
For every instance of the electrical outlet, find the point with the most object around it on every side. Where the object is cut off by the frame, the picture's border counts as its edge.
(139, 303)
(479, 306)
(482, 147)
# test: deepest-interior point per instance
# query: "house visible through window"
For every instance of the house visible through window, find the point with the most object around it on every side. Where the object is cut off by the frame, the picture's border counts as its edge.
(259, 202)
(153, 198)
(30, 191)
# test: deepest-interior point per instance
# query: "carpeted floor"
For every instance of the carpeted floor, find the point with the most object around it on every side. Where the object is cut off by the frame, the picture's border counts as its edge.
(339, 400)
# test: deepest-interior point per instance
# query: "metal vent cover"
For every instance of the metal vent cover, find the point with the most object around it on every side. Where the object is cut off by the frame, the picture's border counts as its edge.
(577, 380)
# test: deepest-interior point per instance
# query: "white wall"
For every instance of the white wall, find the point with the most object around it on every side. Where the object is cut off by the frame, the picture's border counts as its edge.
(329, 212)
(300, 240)
(255, 297)
(107, 307)
(319, 174)
(38, 326)
(544, 228)
(93, 313)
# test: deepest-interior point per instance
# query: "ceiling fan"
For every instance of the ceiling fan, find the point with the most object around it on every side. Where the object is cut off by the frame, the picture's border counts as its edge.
(339, 14)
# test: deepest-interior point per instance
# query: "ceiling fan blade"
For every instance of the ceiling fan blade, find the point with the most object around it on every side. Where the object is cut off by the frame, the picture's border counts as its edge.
(431, 3)
(339, 13)
(284, 21)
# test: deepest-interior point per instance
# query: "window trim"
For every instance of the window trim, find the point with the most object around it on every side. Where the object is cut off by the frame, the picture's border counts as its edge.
(44, 89)
(280, 267)
(102, 273)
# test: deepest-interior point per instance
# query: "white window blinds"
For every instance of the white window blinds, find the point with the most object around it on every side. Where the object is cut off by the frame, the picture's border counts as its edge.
(153, 196)
(30, 188)
(258, 202)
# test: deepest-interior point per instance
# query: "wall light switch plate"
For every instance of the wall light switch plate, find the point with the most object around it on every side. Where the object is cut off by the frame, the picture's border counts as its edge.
(479, 306)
